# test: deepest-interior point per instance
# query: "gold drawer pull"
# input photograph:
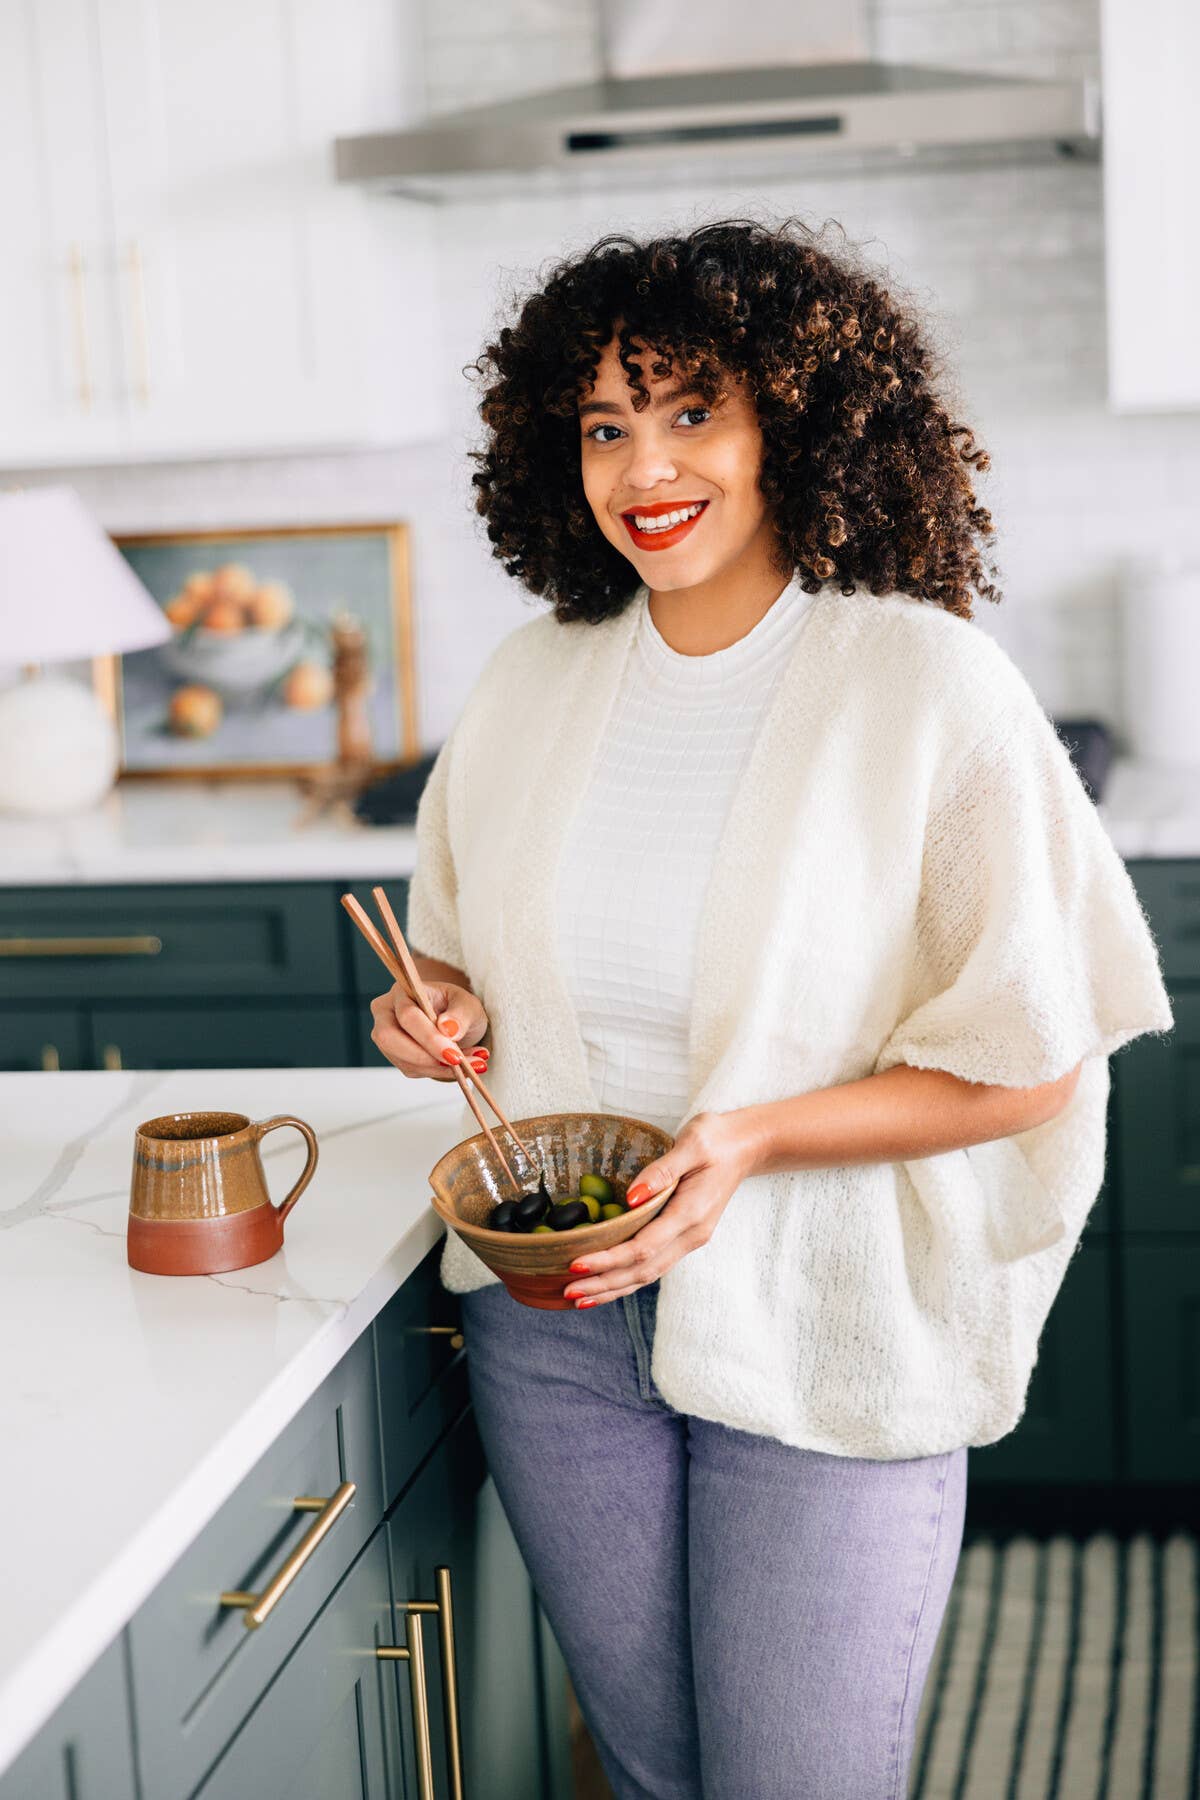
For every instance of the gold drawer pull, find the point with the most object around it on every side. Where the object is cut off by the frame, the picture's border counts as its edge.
(80, 946)
(328, 1513)
(50, 1062)
(450, 1331)
(413, 1653)
(443, 1606)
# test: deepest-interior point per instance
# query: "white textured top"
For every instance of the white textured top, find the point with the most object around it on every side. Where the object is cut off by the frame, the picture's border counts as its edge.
(637, 861)
(910, 871)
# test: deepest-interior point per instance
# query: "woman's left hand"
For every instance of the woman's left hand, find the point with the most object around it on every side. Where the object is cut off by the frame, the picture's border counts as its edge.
(711, 1155)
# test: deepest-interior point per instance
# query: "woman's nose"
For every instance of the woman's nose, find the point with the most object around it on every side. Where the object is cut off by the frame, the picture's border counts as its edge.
(649, 465)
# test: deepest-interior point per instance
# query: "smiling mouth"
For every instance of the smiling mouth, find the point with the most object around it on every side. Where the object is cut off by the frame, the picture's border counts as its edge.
(661, 537)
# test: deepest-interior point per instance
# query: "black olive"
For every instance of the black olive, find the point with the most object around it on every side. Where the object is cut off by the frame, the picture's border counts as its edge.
(501, 1217)
(529, 1211)
(569, 1213)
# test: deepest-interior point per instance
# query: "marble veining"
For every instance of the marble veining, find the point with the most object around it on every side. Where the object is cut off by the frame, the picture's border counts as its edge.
(171, 1385)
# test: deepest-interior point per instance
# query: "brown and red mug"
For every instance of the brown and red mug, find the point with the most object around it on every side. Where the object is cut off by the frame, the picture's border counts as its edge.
(198, 1197)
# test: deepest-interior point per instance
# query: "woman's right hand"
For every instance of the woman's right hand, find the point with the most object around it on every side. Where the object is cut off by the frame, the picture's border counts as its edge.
(416, 1046)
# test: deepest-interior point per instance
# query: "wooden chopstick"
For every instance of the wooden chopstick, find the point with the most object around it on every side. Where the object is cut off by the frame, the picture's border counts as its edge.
(420, 994)
(397, 973)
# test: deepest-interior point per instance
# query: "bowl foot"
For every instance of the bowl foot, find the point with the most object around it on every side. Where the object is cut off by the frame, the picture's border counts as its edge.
(543, 1291)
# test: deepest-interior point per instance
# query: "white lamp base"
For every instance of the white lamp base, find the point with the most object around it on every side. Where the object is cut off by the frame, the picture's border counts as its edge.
(58, 748)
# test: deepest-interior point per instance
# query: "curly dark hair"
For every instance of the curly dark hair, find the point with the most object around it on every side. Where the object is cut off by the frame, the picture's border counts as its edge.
(868, 476)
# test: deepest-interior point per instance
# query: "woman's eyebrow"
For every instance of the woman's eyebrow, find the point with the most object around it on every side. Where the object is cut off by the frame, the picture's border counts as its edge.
(610, 406)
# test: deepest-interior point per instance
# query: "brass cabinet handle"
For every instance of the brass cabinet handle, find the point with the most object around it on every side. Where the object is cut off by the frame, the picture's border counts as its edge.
(328, 1512)
(450, 1331)
(50, 1062)
(443, 1606)
(413, 1653)
(112, 1058)
(80, 946)
(78, 274)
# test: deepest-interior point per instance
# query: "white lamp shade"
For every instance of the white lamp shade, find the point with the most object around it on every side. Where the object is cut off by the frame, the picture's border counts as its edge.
(65, 589)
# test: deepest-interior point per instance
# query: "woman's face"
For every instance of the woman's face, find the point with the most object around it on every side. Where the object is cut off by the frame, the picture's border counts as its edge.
(675, 455)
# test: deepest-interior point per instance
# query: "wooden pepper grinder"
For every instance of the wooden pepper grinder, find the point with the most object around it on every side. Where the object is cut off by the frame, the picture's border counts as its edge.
(338, 782)
(351, 693)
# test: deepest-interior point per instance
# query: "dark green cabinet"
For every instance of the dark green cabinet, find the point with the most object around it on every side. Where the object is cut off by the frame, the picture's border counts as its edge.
(45, 1038)
(451, 1518)
(1160, 1295)
(85, 1752)
(327, 1727)
(1159, 1125)
(222, 975)
(1066, 1432)
(265, 1035)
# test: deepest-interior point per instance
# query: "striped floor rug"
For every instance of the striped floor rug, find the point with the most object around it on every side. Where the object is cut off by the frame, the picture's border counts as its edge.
(1065, 1670)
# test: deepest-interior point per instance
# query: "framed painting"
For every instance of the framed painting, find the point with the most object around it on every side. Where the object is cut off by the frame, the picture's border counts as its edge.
(244, 686)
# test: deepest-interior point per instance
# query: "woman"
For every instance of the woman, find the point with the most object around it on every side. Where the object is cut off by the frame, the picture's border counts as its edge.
(757, 837)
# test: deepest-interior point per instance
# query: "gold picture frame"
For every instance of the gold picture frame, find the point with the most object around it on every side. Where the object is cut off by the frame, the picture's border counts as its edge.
(375, 556)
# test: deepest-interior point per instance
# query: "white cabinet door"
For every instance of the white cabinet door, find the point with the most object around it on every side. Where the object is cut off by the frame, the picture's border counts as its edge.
(247, 278)
(61, 386)
(1152, 202)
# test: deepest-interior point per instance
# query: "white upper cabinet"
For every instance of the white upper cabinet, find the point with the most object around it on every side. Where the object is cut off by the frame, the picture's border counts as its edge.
(232, 297)
(60, 377)
(1152, 203)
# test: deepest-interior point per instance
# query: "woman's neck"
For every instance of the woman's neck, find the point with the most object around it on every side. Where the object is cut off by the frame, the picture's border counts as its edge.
(697, 621)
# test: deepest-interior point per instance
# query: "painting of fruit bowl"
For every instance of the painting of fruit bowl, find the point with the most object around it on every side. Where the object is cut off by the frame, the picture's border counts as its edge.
(245, 683)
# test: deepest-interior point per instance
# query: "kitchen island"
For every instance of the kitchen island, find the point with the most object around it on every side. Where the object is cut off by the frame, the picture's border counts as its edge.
(139, 1412)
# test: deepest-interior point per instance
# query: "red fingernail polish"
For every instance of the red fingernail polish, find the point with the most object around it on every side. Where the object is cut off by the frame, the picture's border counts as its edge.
(582, 1303)
(449, 1026)
(451, 1056)
(580, 1268)
(637, 1193)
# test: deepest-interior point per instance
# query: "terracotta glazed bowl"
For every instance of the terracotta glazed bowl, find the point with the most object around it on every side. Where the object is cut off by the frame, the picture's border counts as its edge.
(535, 1267)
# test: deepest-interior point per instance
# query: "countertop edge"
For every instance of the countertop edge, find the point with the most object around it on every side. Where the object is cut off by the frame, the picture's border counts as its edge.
(81, 1635)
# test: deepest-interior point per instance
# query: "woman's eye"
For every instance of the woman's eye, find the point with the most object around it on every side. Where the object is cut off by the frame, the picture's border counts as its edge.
(693, 409)
(593, 433)
(596, 428)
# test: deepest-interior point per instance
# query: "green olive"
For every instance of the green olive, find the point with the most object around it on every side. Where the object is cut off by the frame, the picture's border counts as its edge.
(597, 1187)
(592, 1204)
(538, 1228)
(614, 1210)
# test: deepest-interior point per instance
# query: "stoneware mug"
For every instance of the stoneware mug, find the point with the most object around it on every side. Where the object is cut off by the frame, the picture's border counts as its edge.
(198, 1200)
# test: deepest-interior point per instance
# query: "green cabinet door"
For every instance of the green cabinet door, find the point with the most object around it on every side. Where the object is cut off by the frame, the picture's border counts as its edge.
(1066, 1432)
(326, 1728)
(42, 1038)
(1160, 1285)
(85, 1752)
(231, 1035)
(1158, 1125)
(512, 1745)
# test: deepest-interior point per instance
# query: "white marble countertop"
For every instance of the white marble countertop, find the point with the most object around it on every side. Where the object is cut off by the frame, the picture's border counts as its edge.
(216, 830)
(133, 1405)
(200, 831)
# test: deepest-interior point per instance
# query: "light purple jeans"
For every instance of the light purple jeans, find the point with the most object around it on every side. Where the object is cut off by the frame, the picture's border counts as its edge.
(741, 1620)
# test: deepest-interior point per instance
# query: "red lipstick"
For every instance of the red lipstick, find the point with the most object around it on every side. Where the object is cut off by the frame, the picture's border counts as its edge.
(661, 540)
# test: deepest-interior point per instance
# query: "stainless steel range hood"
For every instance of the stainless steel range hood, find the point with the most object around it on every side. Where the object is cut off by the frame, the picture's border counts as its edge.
(789, 117)
(699, 89)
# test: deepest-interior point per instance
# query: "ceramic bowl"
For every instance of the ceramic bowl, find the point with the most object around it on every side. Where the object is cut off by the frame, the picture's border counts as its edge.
(237, 664)
(535, 1266)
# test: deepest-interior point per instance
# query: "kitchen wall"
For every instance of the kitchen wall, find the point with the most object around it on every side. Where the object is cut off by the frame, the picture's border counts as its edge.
(1007, 263)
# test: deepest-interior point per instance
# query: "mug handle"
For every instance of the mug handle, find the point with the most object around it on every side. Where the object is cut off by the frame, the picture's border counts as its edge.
(261, 1128)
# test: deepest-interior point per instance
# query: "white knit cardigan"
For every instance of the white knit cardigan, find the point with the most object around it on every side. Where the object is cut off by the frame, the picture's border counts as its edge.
(911, 871)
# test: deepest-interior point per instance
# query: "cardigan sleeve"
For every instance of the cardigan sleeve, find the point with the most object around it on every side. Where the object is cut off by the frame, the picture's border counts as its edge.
(1032, 951)
(433, 927)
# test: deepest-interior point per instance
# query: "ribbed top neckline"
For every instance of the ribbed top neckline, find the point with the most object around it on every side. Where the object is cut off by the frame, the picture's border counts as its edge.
(763, 646)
